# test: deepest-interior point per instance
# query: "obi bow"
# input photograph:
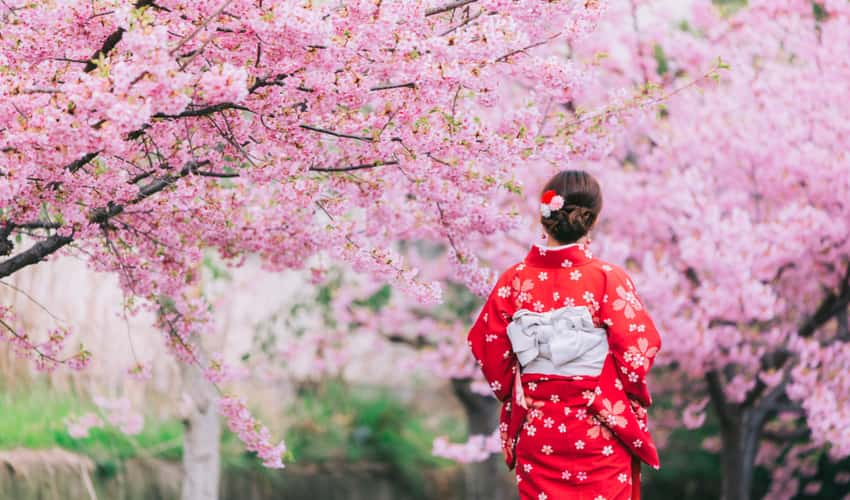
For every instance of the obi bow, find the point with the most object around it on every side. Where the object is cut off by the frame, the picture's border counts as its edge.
(563, 341)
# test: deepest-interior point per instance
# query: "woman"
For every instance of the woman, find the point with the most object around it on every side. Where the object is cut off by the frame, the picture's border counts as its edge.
(566, 344)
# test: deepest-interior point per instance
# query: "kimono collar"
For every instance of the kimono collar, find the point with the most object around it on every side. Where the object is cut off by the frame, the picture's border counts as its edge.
(574, 254)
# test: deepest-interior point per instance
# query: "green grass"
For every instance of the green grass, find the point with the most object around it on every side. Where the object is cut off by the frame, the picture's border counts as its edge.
(35, 418)
(32, 418)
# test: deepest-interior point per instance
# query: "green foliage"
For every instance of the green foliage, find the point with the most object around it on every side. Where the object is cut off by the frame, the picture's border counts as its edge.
(216, 269)
(819, 11)
(687, 470)
(338, 422)
(35, 418)
(728, 7)
(460, 301)
(377, 300)
(730, 3)
(662, 65)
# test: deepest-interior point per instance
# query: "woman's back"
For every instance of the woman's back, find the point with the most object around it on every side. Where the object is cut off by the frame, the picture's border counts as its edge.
(573, 425)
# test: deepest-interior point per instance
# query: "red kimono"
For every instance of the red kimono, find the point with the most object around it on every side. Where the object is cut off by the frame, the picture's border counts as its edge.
(583, 436)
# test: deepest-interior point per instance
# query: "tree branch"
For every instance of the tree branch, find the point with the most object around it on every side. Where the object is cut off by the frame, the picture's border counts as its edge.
(354, 167)
(11, 226)
(410, 85)
(417, 342)
(33, 254)
(770, 361)
(217, 174)
(25, 340)
(80, 163)
(197, 30)
(445, 8)
(468, 20)
(268, 82)
(715, 390)
(6, 229)
(111, 41)
(195, 112)
(204, 111)
(336, 134)
(512, 53)
(843, 333)
(784, 437)
(167, 180)
(830, 306)
(41, 249)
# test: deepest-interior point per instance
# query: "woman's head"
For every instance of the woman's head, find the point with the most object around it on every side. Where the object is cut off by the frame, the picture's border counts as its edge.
(582, 202)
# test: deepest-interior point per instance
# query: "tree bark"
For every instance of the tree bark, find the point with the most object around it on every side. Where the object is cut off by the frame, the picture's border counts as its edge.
(740, 430)
(201, 438)
(740, 438)
(483, 480)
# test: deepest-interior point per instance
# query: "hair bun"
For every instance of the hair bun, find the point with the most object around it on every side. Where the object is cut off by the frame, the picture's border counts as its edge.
(579, 218)
(571, 219)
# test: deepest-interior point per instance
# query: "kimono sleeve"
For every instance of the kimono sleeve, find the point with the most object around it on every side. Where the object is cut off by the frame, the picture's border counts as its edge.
(489, 341)
(633, 339)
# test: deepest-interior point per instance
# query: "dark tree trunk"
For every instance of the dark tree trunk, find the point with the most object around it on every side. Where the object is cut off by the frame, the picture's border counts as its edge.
(740, 438)
(485, 480)
(740, 431)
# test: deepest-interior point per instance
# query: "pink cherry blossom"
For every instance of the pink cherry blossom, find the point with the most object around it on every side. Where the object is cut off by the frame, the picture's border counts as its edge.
(119, 413)
(79, 428)
(477, 448)
(253, 435)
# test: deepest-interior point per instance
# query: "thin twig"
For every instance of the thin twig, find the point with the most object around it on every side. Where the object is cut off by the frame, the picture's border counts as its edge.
(203, 25)
(354, 167)
(30, 345)
(409, 85)
(464, 23)
(445, 8)
(336, 134)
(32, 299)
(507, 56)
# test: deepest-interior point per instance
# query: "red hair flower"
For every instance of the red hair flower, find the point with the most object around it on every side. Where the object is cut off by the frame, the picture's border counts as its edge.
(550, 201)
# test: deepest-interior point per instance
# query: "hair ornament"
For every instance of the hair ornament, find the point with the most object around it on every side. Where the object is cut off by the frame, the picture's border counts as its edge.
(549, 202)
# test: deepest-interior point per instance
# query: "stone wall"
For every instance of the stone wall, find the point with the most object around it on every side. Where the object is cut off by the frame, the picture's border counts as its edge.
(57, 474)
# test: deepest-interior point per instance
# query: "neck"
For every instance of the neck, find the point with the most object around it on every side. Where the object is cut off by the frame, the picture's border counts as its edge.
(552, 242)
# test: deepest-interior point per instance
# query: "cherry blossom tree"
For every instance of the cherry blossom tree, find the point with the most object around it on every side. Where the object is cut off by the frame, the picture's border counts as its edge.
(136, 135)
(733, 203)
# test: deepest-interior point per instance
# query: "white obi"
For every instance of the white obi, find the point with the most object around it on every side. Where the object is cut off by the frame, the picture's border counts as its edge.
(562, 341)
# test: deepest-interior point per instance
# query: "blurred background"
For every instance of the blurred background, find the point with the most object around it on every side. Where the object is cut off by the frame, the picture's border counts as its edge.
(378, 398)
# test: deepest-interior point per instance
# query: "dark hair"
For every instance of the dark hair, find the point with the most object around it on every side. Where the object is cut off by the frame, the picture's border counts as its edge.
(582, 204)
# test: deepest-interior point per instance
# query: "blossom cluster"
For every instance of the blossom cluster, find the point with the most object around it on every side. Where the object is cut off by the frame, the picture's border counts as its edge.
(117, 412)
(477, 448)
(46, 355)
(255, 436)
